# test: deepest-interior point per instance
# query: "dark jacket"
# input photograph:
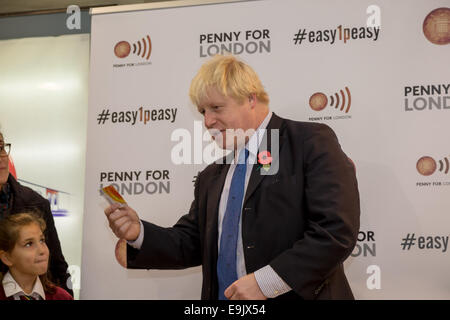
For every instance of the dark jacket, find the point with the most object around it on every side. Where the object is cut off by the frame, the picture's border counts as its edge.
(25, 199)
(303, 221)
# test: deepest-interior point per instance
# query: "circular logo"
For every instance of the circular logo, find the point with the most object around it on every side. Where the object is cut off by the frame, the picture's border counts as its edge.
(436, 26)
(122, 49)
(426, 166)
(318, 101)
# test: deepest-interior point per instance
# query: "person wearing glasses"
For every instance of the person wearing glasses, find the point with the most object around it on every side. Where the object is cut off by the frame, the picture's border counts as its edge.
(15, 198)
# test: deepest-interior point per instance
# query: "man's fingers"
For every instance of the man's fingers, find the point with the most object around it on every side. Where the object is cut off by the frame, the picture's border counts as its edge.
(229, 291)
(116, 215)
(245, 288)
(111, 209)
(122, 220)
(124, 228)
(117, 223)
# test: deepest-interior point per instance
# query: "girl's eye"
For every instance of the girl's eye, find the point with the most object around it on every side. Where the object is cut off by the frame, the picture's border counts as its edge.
(28, 244)
(42, 240)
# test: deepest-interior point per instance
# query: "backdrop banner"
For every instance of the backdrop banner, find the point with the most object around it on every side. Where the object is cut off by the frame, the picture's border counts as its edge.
(377, 74)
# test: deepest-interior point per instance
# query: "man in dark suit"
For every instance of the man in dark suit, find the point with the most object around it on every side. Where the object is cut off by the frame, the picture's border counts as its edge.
(15, 198)
(257, 234)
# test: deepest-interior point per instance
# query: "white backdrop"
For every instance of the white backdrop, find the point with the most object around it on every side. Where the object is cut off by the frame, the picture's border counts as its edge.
(379, 57)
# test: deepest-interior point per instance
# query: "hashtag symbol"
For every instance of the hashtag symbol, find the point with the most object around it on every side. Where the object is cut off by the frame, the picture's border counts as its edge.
(300, 36)
(408, 241)
(102, 117)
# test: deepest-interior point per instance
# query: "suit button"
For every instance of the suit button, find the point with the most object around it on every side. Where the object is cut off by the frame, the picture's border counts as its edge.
(250, 247)
(248, 209)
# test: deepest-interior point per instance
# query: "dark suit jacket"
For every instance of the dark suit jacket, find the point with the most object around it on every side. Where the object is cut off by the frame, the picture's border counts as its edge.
(25, 199)
(302, 221)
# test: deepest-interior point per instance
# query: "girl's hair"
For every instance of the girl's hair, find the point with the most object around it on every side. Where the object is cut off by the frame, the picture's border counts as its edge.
(9, 234)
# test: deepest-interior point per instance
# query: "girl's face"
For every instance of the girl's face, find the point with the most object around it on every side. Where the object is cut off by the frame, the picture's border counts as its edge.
(30, 254)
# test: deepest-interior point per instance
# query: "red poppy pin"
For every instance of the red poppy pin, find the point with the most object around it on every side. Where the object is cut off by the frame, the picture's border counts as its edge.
(264, 159)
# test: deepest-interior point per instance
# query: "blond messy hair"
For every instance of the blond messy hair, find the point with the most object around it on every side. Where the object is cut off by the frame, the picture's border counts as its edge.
(230, 76)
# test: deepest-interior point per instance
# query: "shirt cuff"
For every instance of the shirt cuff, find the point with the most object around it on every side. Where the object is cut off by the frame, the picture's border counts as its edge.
(137, 244)
(270, 282)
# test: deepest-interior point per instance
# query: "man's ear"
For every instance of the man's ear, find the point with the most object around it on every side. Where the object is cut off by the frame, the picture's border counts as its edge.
(252, 99)
(4, 256)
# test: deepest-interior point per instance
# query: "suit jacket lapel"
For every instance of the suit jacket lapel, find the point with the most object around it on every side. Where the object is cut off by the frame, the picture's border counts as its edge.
(256, 177)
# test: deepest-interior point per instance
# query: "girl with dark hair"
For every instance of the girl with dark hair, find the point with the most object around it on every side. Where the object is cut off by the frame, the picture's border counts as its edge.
(15, 198)
(24, 259)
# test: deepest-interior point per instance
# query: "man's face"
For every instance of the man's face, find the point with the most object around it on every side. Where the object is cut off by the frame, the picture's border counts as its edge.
(29, 256)
(223, 117)
(4, 164)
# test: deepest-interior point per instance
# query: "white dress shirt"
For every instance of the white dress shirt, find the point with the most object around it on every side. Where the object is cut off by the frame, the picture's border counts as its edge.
(13, 289)
(268, 280)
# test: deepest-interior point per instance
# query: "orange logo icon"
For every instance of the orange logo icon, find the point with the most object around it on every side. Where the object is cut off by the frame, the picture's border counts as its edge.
(141, 48)
(426, 165)
(436, 26)
(319, 101)
(122, 49)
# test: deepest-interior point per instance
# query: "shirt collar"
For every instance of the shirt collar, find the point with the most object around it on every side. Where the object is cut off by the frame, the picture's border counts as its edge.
(12, 288)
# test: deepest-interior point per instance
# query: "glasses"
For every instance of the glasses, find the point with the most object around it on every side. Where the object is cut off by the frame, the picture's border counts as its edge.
(5, 149)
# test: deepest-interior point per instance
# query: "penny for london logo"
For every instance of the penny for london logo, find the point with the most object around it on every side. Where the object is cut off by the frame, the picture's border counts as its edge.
(340, 101)
(429, 167)
(140, 49)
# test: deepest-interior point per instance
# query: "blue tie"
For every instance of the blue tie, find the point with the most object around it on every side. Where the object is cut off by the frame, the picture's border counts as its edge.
(226, 262)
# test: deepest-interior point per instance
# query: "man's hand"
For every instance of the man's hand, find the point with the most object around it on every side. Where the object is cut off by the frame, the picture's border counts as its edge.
(123, 221)
(245, 288)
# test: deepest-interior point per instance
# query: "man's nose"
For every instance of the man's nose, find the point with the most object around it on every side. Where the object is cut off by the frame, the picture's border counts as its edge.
(210, 120)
